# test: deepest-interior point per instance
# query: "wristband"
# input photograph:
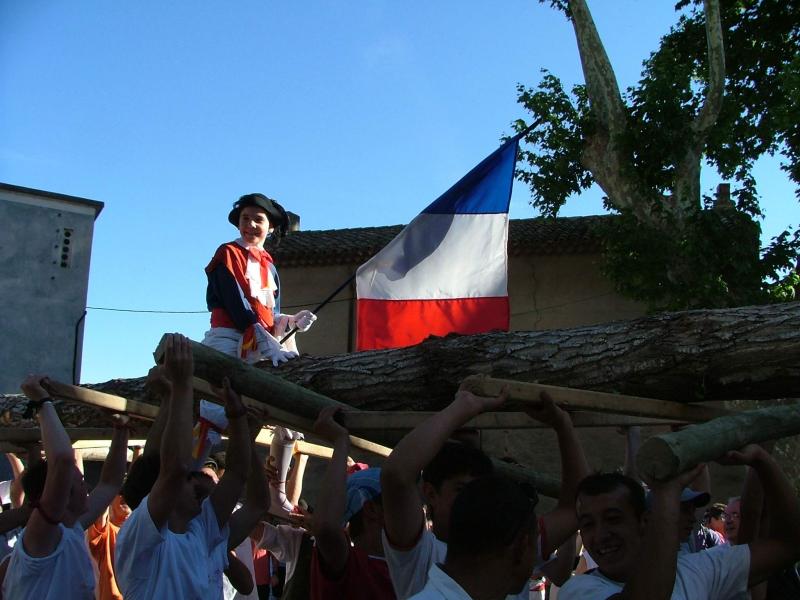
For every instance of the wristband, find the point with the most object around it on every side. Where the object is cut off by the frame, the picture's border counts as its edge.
(34, 406)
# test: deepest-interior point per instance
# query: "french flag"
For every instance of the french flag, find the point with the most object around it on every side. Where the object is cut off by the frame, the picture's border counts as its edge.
(447, 271)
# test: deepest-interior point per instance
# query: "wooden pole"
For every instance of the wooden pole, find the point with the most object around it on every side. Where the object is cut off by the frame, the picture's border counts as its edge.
(665, 456)
(379, 420)
(76, 434)
(574, 399)
(116, 404)
(280, 416)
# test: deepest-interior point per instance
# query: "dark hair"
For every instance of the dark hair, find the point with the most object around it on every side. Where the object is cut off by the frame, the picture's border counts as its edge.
(455, 459)
(487, 516)
(357, 520)
(141, 477)
(276, 214)
(33, 479)
(716, 511)
(604, 483)
(219, 459)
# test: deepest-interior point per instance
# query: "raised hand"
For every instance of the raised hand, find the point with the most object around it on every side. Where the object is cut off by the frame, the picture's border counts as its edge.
(748, 455)
(157, 382)
(546, 411)
(234, 407)
(178, 359)
(255, 420)
(479, 404)
(33, 387)
(326, 425)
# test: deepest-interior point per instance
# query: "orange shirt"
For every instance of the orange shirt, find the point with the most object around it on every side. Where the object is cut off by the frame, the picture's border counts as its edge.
(102, 542)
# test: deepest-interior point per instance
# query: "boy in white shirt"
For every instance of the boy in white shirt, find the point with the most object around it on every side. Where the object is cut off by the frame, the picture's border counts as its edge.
(51, 559)
(164, 549)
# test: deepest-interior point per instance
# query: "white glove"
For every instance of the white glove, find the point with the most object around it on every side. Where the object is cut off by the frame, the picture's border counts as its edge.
(302, 320)
(271, 348)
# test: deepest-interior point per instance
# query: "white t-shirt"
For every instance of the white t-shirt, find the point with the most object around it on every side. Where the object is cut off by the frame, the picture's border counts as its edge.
(244, 552)
(719, 573)
(65, 574)
(152, 563)
(283, 542)
(410, 568)
(7, 541)
(441, 586)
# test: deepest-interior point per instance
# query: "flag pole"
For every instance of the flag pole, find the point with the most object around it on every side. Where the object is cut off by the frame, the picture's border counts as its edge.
(321, 305)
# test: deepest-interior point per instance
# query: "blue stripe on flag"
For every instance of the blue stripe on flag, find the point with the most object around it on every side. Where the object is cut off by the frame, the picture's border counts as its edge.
(486, 189)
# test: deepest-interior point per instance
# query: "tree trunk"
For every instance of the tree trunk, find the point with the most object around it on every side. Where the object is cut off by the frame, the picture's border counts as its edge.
(750, 352)
(665, 456)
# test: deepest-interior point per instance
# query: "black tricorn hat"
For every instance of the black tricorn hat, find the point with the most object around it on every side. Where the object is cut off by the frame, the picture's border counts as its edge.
(275, 212)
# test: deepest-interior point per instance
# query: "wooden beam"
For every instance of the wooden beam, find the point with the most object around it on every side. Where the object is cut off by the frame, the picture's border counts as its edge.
(265, 436)
(379, 420)
(116, 404)
(574, 399)
(280, 416)
(33, 434)
(665, 456)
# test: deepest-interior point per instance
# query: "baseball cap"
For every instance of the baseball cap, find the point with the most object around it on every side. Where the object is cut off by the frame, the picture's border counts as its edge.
(362, 486)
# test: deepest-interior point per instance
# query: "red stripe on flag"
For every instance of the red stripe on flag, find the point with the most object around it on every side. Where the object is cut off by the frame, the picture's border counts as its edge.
(399, 323)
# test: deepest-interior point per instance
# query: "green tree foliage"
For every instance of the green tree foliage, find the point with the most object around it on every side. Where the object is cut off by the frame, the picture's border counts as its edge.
(671, 247)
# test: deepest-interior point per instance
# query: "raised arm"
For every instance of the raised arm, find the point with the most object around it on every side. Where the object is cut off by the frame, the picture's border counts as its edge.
(226, 493)
(176, 446)
(42, 534)
(780, 547)
(561, 523)
(402, 504)
(332, 543)
(256, 499)
(16, 493)
(655, 576)
(158, 387)
(112, 474)
(294, 485)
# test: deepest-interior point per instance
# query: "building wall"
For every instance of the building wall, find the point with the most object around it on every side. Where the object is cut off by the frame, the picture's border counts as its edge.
(557, 291)
(45, 247)
(306, 287)
(546, 292)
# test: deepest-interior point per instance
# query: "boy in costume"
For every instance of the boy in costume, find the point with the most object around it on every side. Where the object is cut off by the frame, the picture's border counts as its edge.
(244, 297)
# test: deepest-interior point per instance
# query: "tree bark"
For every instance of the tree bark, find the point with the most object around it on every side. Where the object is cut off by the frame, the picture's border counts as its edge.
(739, 353)
(665, 456)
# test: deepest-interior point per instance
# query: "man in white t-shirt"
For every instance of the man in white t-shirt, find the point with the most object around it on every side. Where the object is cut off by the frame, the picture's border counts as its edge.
(491, 549)
(410, 548)
(51, 560)
(164, 549)
(637, 549)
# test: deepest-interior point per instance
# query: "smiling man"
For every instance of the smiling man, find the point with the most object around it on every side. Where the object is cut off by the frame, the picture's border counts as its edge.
(636, 548)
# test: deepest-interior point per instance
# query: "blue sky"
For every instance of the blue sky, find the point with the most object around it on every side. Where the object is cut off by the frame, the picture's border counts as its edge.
(349, 113)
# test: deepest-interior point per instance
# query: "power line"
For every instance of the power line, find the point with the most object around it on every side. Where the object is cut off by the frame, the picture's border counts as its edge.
(193, 312)
(136, 310)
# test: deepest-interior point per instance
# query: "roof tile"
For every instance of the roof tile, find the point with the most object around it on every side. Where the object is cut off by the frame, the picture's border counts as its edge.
(563, 235)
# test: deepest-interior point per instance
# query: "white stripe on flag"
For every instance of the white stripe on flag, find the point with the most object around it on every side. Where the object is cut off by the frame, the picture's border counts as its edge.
(440, 256)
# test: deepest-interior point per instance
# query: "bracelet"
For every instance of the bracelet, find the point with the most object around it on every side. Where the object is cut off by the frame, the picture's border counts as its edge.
(34, 406)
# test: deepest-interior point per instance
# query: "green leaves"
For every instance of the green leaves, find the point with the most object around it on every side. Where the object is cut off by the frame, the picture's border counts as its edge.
(669, 247)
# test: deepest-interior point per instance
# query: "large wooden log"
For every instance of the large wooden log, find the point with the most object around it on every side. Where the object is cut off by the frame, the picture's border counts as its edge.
(664, 456)
(750, 352)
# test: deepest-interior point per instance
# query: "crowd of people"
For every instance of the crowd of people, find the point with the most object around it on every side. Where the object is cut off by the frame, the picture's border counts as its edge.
(437, 520)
